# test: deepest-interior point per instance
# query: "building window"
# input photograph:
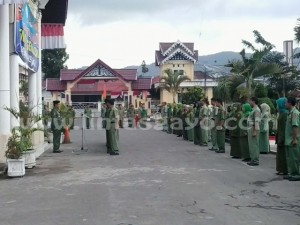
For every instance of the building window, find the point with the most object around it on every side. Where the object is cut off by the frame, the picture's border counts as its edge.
(182, 65)
(181, 72)
(178, 65)
(173, 65)
(175, 71)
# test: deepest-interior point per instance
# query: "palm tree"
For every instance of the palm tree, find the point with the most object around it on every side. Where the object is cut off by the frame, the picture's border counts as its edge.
(171, 82)
(254, 66)
(297, 31)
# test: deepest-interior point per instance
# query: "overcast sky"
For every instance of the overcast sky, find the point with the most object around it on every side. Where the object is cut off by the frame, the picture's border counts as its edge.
(126, 32)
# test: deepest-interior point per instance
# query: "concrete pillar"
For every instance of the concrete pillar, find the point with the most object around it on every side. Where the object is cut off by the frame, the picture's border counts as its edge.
(14, 88)
(39, 82)
(4, 80)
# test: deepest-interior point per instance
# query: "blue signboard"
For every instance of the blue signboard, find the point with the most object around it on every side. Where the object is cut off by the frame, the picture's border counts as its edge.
(27, 36)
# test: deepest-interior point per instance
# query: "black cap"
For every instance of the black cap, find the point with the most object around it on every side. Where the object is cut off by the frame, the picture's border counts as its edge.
(56, 102)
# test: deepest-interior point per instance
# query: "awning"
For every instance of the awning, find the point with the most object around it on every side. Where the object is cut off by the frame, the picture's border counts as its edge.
(53, 36)
(2, 2)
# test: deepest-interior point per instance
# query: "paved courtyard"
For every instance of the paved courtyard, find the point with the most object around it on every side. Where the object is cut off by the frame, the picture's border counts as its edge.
(158, 179)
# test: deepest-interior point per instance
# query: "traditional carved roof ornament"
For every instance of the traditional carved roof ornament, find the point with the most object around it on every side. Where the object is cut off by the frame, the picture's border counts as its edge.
(172, 47)
(180, 52)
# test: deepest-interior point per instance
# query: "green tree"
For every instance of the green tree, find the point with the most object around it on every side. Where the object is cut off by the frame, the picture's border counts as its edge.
(254, 66)
(171, 82)
(261, 91)
(53, 60)
(297, 31)
(145, 69)
(193, 94)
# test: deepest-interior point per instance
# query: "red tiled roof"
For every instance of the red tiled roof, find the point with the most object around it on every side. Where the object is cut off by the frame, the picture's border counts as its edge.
(116, 86)
(54, 84)
(142, 84)
(69, 74)
(155, 80)
(128, 74)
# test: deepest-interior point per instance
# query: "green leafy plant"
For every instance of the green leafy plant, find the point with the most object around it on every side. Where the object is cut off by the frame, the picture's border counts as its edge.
(28, 123)
(15, 146)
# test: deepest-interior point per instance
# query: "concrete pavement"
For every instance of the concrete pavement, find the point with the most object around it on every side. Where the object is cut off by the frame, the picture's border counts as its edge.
(158, 179)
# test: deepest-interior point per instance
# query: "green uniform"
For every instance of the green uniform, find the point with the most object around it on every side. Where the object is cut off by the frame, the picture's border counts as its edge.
(180, 122)
(103, 112)
(185, 124)
(107, 130)
(190, 120)
(204, 125)
(174, 119)
(143, 117)
(164, 115)
(292, 151)
(243, 139)
(214, 143)
(253, 141)
(72, 118)
(281, 160)
(209, 113)
(220, 119)
(114, 131)
(121, 120)
(56, 127)
(169, 119)
(197, 131)
(88, 116)
(264, 143)
(235, 150)
(130, 116)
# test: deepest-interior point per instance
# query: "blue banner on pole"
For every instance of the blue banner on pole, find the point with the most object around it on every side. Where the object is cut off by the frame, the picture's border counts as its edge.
(27, 35)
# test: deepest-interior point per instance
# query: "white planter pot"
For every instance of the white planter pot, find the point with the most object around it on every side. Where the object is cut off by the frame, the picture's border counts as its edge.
(30, 159)
(16, 167)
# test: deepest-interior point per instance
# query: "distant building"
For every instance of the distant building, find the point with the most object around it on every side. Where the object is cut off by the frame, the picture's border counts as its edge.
(97, 82)
(288, 52)
(181, 58)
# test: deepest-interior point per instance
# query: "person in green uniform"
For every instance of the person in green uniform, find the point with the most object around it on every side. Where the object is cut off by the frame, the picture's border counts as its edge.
(264, 143)
(179, 118)
(130, 115)
(234, 129)
(103, 111)
(169, 118)
(292, 140)
(209, 113)
(56, 126)
(113, 120)
(72, 114)
(190, 122)
(174, 125)
(213, 125)
(185, 122)
(88, 116)
(243, 138)
(281, 163)
(197, 128)
(253, 132)
(121, 115)
(143, 116)
(220, 126)
(107, 126)
(204, 123)
(164, 116)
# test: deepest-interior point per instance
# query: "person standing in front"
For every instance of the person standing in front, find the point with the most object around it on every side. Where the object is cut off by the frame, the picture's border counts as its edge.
(130, 115)
(281, 164)
(121, 114)
(143, 116)
(113, 121)
(264, 143)
(204, 123)
(213, 118)
(88, 116)
(56, 126)
(253, 132)
(292, 140)
(220, 126)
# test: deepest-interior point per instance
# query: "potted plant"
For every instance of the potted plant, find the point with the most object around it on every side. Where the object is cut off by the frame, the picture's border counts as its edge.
(28, 125)
(14, 155)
